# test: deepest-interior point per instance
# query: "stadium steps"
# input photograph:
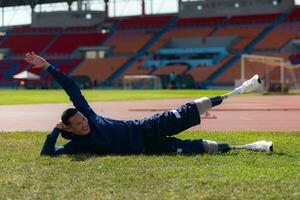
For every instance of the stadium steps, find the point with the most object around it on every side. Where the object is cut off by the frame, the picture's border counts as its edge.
(185, 71)
(266, 31)
(42, 52)
(112, 30)
(44, 72)
(217, 27)
(139, 84)
(59, 33)
(141, 52)
(75, 67)
(248, 49)
(226, 66)
(152, 71)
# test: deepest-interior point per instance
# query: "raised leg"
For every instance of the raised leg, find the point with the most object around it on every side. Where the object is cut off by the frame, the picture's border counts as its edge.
(206, 103)
(247, 86)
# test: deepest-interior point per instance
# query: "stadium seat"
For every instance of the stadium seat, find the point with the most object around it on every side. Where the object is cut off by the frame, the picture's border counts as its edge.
(180, 32)
(201, 73)
(295, 59)
(128, 41)
(234, 72)
(208, 21)
(25, 29)
(294, 15)
(68, 42)
(65, 65)
(166, 70)
(246, 32)
(150, 21)
(10, 67)
(20, 44)
(136, 68)
(242, 19)
(279, 37)
(132, 33)
(99, 69)
(274, 41)
(92, 28)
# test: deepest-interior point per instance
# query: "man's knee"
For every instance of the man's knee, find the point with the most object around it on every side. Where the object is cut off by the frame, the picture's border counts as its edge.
(203, 104)
(212, 147)
(206, 103)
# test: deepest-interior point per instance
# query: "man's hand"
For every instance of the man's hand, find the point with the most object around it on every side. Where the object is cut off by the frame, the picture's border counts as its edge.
(60, 125)
(36, 61)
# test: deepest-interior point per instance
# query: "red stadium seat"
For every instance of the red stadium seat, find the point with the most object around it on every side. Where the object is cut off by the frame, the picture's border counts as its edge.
(67, 43)
(234, 72)
(20, 44)
(28, 29)
(166, 70)
(295, 57)
(82, 28)
(241, 19)
(99, 69)
(10, 67)
(294, 15)
(152, 21)
(280, 36)
(65, 65)
(201, 73)
(128, 41)
(247, 34)
(135, 69)
(181, 32)
(188, 22)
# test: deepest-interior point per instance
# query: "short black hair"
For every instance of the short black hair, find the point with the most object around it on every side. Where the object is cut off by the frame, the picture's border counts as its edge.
(67, 114)
(66, 134)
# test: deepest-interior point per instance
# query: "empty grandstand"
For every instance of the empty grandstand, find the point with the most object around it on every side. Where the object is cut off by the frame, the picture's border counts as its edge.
(201, 42)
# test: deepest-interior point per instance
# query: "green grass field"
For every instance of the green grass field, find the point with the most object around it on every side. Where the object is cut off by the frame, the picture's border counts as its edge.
(234, 175)
(11, 97)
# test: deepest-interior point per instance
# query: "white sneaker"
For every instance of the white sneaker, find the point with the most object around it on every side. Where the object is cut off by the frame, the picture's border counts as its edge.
(249, 85)
(260, 146)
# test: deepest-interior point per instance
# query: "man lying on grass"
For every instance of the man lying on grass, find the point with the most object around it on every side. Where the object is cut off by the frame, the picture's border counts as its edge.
(95, 134)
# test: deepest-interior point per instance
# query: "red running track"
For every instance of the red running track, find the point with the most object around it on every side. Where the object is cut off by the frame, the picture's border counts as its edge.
(272, 113)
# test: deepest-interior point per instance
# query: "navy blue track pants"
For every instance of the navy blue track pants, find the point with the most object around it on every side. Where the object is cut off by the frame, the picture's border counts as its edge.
(158, 130)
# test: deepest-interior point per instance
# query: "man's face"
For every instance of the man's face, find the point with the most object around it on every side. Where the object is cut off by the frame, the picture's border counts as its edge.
(79, 124)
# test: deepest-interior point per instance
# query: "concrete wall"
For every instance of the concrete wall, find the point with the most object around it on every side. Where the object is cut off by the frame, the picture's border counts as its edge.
(229, 7)
(67, 18)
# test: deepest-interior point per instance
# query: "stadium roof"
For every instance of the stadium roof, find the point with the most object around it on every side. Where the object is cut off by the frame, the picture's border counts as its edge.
(7, 3)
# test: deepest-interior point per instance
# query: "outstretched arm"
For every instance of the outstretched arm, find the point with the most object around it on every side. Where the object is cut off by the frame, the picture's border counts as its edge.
(65, 81)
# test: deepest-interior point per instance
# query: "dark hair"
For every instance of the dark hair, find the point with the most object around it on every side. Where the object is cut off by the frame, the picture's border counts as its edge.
(67, 114)
(66, 134)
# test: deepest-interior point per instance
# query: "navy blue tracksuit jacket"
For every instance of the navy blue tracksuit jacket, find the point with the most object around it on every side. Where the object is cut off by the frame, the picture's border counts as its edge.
(108, 136)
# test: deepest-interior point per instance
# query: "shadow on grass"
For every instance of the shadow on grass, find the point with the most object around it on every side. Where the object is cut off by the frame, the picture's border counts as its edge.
(281, 153)
(81, 157)
(84, 157)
